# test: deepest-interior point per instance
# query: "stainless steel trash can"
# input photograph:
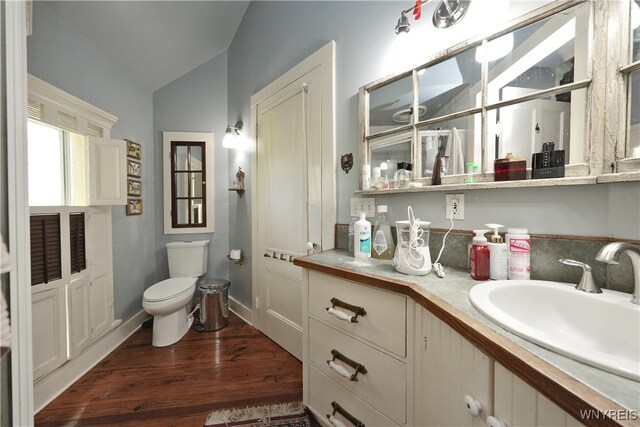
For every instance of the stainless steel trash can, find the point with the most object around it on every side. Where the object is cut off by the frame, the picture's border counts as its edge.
(214, 304)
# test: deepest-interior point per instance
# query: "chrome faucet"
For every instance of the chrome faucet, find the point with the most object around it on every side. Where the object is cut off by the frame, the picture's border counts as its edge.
(611, 255)
(587, 283)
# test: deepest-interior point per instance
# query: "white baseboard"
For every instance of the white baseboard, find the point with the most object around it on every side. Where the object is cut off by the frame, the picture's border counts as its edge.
(51, 386)
(241, 310)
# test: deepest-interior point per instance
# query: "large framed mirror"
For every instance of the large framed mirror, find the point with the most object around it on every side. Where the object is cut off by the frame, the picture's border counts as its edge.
(515, 92)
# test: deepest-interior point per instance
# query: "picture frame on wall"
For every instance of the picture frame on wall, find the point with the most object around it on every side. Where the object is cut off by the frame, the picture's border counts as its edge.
(134, 188)
(134, 206)
(134, 169)
(134, 150)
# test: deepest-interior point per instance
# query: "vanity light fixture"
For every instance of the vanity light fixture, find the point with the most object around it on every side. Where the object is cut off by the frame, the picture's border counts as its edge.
(447, 13)
(231, 135)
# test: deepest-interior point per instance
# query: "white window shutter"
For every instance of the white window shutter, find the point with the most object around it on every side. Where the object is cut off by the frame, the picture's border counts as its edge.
(107, 174)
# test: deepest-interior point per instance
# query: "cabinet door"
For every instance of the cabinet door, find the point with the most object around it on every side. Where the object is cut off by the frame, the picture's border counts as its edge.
(49, 333)
(100, 312)
(450, 369)
(79, 312)
(107, 173)
(518, 404)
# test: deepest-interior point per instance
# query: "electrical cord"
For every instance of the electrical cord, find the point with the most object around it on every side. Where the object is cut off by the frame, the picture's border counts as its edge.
(437, 267)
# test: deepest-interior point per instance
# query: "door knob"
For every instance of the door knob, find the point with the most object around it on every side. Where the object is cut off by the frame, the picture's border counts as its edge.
(311, 246)
(473, 406)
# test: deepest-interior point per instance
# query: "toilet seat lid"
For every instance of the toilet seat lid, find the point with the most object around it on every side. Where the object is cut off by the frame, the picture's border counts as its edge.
(169, 288)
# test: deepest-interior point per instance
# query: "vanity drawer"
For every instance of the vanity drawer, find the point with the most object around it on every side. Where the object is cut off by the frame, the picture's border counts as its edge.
(384, 386)
(323, 391)
(384, 323)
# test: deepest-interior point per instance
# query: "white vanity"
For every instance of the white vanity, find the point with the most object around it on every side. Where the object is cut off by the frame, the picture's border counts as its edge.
(412, 351)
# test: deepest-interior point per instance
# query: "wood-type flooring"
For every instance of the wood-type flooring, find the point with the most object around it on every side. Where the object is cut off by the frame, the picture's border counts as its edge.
(179, 385)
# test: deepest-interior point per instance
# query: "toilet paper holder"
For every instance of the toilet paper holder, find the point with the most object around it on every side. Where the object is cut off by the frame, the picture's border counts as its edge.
(236, 256)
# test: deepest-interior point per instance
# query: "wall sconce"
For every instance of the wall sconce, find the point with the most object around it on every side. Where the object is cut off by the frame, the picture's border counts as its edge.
(231, 135)
(447, 13)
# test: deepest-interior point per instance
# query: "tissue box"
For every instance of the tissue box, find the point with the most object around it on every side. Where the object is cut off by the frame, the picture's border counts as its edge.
(509, 168)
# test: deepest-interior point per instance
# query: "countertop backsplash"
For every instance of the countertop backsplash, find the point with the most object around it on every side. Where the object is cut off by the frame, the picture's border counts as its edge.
(545, 253)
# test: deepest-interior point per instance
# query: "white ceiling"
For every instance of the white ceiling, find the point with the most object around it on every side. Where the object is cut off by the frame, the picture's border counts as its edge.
(158, 41)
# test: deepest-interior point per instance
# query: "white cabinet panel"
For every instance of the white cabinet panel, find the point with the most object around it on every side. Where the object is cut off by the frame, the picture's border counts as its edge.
(49, 330)
(451, 368)
(384, 386)
(386, 313)
(324, 391)
(518, 404)
(107, 171)
(79, 312)
(100, 309)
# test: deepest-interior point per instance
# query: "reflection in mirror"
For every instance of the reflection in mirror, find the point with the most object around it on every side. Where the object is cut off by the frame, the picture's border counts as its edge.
(454, 140)
(450, 86)
(182, 158)
(545, 54)
(196, 184)
(522, 128)
(182, 209)
(197, 211)
(390, 105)
(182, 184)
(633, 145)
(390, 151)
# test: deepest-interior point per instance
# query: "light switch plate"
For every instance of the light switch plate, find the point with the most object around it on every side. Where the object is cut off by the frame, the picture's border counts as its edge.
(363, 204)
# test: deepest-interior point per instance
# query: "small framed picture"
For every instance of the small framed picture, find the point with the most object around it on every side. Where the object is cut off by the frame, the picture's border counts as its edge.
(134, 206)
(134, 188)
(134, 150)
(134, 169)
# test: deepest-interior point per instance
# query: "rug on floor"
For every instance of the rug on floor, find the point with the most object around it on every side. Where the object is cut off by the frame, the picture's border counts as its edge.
(290, 414)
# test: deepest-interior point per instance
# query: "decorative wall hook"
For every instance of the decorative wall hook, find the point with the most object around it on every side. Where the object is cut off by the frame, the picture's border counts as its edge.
(347, 162)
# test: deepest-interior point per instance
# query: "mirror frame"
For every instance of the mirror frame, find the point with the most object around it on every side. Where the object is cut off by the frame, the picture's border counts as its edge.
(603, 144)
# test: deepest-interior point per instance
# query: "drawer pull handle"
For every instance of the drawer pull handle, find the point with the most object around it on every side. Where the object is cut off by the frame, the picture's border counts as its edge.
(339, 409)
(342, 370)
(358, 311)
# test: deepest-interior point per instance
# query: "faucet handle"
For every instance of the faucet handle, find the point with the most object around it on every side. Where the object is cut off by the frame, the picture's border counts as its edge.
(587, 283)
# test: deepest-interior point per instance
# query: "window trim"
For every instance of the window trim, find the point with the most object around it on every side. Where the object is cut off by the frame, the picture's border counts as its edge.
(207, 138)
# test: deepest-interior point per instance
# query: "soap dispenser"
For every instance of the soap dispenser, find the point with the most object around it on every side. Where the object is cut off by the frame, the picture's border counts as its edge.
(498, 254)
(480, 257)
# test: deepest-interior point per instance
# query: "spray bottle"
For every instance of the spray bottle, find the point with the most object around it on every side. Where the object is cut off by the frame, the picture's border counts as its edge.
(498, 254)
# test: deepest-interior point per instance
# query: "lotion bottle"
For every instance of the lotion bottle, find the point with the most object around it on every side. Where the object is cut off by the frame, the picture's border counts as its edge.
(519, 244)
(498, 254)
(362, 238)
(480, 257)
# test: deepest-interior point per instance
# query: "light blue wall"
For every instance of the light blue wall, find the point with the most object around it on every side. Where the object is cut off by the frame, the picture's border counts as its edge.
(195, 102)
(274, 36)
(65, 58)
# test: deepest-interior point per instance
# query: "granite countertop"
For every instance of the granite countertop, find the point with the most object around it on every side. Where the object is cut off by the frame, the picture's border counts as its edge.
(452, 292)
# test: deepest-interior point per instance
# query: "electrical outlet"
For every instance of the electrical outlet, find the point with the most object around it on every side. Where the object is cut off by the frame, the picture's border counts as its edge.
(363, 204)
(454, 206)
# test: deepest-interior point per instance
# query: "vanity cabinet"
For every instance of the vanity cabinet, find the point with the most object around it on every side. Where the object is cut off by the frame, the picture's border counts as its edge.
(460, 385)
(358, 352)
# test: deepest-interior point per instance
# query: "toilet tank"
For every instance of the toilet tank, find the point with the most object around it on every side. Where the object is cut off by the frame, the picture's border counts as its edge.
(187, 259)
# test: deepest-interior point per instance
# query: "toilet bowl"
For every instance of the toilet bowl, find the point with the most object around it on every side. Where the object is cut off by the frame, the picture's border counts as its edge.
(169, 303)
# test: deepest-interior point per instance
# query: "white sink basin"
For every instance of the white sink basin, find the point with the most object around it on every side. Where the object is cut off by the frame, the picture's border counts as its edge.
(602, 330)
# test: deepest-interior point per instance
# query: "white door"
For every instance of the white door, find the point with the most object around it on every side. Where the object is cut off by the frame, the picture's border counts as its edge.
(294, 180)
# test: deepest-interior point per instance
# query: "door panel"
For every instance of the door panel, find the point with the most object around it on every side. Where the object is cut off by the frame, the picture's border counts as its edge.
(48, 310)
(288, 163)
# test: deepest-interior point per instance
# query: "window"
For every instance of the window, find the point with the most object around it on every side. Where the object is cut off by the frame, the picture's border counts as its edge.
(46, 264)
(188, 188)
(188, 182)
(56, 162)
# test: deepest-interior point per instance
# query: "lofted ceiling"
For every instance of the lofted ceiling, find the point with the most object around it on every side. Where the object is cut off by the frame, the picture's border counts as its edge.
(157, 41)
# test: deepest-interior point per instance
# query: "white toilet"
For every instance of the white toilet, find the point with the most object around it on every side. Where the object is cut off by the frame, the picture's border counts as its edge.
(169, 301)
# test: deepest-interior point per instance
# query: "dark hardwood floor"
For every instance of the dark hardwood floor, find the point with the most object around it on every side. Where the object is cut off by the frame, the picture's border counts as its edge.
(140, 385)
